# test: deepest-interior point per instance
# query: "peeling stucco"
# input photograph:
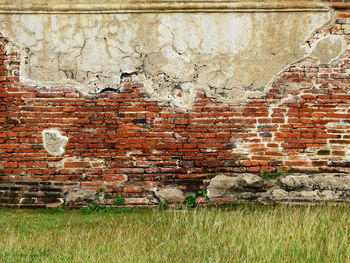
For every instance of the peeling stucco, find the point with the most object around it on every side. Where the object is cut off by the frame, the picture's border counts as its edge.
(173, 54)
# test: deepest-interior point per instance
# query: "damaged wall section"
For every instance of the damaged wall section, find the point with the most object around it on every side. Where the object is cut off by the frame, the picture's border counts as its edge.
(145, 134)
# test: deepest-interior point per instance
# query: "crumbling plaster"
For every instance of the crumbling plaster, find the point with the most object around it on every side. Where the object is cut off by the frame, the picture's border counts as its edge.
(54, 142)
(230, 55)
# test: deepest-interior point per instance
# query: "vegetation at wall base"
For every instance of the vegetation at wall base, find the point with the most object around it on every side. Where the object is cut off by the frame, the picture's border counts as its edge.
(162, 205)
(191, 201)
(273, 175)
(119, 200)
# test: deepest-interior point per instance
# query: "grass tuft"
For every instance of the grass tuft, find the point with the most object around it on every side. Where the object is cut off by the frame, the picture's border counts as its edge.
(273, 175)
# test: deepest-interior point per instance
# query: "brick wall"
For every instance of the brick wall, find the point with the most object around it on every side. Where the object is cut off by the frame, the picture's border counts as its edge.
(128, 144)
(342, 7)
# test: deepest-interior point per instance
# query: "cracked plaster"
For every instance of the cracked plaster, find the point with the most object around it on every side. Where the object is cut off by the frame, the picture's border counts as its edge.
(231, 56)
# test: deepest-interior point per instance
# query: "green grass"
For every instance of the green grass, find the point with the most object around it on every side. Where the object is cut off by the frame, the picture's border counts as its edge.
(273, 175)
(237, 234)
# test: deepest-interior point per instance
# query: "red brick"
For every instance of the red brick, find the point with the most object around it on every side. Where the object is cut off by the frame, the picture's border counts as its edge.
(254, 169)
(91, 184)
(77, 164)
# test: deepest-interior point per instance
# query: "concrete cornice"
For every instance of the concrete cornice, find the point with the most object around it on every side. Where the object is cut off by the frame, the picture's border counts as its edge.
(119, 6)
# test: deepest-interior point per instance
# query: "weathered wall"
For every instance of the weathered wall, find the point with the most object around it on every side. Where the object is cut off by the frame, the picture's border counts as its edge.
(132, 102)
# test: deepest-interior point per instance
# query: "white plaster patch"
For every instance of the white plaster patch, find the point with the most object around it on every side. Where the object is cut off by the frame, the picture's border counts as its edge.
(328, 49)
(54, 142)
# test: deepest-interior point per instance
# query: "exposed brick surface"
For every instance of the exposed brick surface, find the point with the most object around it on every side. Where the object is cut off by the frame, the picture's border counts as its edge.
(342, 7)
